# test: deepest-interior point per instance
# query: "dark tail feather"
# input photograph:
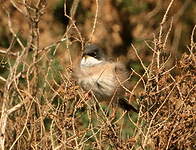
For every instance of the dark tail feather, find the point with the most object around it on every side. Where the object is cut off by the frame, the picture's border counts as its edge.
(124, 104)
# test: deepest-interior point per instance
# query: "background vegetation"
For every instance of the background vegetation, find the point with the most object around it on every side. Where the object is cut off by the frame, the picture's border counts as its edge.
(41, 106)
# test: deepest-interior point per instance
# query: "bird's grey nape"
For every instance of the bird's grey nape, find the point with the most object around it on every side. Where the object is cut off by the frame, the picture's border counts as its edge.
(91, 47)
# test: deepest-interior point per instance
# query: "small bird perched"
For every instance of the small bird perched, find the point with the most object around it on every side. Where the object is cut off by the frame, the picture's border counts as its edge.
(107, 80)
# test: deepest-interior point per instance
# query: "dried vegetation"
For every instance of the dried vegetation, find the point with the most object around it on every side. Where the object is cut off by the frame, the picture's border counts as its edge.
(41, 106)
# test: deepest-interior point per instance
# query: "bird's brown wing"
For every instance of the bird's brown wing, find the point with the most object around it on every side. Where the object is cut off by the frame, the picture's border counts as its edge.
(124, 84)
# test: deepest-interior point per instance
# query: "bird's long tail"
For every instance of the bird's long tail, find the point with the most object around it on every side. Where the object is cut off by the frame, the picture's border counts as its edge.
(124, 104)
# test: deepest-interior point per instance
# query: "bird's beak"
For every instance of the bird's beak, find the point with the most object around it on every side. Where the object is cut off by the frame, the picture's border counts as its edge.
(84, 54)
(85, 57)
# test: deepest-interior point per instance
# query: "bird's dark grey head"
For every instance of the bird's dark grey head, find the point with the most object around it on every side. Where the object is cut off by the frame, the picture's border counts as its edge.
(95, 51)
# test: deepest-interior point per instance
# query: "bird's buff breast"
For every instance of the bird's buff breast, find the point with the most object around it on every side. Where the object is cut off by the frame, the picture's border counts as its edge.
(99, 79)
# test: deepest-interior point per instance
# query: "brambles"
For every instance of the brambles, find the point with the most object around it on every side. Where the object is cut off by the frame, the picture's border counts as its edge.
(170, 110)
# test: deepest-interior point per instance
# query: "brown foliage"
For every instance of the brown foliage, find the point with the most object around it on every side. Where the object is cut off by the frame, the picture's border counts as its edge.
(43, 108)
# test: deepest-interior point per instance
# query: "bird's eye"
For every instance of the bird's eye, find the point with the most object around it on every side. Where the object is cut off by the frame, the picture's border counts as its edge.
(93, 54)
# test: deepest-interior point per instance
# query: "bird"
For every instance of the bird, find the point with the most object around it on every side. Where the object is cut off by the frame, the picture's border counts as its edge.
(107, 80)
